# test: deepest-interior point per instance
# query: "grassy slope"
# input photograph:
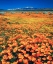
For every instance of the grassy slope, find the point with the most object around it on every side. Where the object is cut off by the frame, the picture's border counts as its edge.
(29, 23)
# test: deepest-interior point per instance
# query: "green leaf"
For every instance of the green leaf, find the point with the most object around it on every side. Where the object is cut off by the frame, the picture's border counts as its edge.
(12, 60)
(1, 49)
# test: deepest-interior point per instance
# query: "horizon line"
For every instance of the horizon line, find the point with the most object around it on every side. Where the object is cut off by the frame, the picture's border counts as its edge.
(25, 7)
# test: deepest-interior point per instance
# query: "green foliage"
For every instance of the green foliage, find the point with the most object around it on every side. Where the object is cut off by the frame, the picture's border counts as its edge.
(51, 54)
(25, 30)
(0, 58)
(4, 19)
(18, 42)
(3, 34)
(1, 49)
(9, 23)
(12, 60)
(6, 38)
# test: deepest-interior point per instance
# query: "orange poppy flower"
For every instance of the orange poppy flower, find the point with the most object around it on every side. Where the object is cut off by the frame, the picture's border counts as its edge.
(49, 58)
(20, 60)
(20, 56)
(48, 62)
(26, 55)
(42, 50)
(15, 44)
(38, 54)
(21, 46)
(23, 51)
(27, 49)
(14, 63)
(33, 54)
(5, 57)
(7, 62)
(15, 49)
(32, 51)
(33, 59)
(30, 58)
(39, 62)
(1, 43)
(27, 46)
(25, 61)
(10, 56)
(50, 41)
(18, 36)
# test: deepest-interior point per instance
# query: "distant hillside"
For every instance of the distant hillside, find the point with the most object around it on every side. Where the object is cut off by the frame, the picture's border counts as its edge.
(28, 9)
(32, 9)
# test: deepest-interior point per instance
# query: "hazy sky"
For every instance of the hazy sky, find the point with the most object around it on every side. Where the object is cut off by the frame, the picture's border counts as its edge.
(6, 4)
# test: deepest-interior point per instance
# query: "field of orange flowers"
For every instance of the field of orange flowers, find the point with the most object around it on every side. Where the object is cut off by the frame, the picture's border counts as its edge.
(26, 38)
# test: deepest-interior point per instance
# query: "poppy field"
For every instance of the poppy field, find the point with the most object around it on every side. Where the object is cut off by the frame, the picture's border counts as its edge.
(26, 38)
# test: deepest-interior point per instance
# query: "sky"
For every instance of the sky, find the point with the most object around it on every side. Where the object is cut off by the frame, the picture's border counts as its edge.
(11, 4)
